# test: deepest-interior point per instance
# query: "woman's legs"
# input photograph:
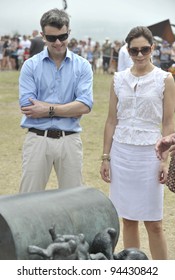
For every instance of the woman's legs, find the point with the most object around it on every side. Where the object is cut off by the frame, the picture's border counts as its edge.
(157, 242)
(130, 234)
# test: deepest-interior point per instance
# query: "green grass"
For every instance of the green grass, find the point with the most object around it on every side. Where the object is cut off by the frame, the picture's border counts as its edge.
(8, 86)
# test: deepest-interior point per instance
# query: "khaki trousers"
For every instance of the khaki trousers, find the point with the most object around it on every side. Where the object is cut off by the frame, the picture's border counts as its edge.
(41, 153)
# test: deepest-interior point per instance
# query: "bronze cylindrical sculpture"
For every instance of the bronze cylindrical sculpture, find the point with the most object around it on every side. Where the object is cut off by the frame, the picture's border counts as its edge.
(25, 219)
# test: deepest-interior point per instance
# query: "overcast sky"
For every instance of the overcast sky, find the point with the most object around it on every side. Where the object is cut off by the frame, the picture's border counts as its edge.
(94, 18)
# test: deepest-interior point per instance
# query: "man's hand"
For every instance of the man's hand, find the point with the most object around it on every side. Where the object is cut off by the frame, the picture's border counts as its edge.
(38, 109)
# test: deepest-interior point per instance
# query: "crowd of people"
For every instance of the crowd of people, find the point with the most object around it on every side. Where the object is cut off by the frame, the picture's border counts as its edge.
(15, 50)
(103, 57)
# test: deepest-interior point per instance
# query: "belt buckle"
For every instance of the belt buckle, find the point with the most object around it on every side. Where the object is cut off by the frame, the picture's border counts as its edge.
(59, 133)
(54, 134)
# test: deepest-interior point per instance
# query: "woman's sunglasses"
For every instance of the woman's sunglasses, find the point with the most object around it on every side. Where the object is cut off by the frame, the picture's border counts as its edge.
(135, 51)
(53, 38)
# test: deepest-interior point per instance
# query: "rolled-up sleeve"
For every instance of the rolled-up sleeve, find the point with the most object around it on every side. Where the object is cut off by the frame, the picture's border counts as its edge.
(84, 90)
(27, 86)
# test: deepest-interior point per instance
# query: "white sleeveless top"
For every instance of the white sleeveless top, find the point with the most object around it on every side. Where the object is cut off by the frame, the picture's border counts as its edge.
(139, 107)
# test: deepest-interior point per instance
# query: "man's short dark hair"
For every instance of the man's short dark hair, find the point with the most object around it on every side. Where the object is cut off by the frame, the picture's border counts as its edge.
(56, 18)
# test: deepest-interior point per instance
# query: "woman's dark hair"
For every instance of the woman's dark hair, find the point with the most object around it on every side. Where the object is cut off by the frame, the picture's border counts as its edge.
(139, 31)
(56, 18)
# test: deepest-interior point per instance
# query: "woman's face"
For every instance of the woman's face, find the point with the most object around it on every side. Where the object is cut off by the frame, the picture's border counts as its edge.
(140, 51)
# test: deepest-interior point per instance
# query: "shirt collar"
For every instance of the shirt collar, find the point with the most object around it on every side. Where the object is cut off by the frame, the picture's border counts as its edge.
(46, 54)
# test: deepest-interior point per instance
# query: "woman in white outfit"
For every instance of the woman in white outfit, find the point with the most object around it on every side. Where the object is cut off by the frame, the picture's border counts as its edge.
(141, 109)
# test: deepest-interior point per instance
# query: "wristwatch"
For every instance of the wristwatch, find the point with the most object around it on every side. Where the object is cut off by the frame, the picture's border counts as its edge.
(51, 112)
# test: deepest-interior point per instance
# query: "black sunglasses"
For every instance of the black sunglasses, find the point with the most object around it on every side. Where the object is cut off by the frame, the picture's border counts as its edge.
(53, 38)
(135, 51)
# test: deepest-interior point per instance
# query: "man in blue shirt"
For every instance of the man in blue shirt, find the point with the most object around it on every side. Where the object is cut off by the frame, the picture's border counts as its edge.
(55, 91)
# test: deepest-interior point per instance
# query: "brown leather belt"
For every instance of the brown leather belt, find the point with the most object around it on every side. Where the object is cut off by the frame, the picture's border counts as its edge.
(51, 133)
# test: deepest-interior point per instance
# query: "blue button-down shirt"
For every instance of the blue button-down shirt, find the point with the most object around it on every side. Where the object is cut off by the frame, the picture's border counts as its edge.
(41, 79)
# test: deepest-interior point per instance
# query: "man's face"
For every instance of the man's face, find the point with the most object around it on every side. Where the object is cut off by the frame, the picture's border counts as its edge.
(56, 45)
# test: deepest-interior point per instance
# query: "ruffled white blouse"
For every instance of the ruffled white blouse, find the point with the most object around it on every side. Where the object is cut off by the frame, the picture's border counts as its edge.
(139, 107)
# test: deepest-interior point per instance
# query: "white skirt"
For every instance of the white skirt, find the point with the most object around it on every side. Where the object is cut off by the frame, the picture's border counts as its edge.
(135, 190)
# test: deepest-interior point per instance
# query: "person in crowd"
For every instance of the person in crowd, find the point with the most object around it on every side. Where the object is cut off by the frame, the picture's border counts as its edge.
(96, 57)
(26, 54)
(114, 56)
(1, 51)
(89, 50)
(171, 69)
(55, 91)
(165, 53)
(20, 54)
(142, 100)
(172, 54)
(6, 63)
(25, 42)
(82, 46)
(14, 53)
(124, 59)
(156, 54)
(106, 54)
(74, 47)
(37, 43)
(23, 50)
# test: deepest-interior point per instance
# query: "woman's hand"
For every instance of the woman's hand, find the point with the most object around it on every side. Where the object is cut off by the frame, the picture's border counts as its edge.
(105, 171)
(163, 172)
